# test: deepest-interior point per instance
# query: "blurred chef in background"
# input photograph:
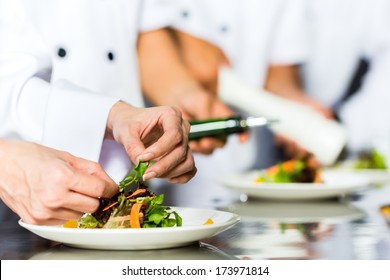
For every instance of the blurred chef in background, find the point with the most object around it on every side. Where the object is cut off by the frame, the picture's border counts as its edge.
(346, 71)
(348, 66)
(248, 36)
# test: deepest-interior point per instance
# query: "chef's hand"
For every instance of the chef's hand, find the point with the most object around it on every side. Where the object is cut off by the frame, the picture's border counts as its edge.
(156, 134)
(199, 104)
(46, 186)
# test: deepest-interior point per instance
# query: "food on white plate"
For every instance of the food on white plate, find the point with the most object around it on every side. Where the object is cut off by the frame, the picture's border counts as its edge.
(303, 170)
(140, 208)
(371, 159)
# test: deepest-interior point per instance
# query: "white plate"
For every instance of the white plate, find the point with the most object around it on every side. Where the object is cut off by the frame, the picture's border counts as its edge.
(192, 231)
(296, 212)
(376, 176)
(335, 184)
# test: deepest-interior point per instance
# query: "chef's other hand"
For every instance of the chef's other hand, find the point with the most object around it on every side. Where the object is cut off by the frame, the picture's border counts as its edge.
(157, 134)
(46, 186)
(200, 104)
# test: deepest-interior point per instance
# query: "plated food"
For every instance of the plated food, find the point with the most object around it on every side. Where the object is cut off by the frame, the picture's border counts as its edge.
(192, 230)
(371, 159)
(135, 219)
(133, 207)
(372, 164)
(301, 170)
(295, 181)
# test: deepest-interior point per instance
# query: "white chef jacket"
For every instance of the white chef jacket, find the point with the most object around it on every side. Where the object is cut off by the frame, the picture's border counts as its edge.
(253, 34)
(64, 63)
(341, 33)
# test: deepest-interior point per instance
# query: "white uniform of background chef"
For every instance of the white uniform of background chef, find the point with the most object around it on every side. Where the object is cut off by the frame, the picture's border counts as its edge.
(252, 34)
(341, 34)
(64, 63)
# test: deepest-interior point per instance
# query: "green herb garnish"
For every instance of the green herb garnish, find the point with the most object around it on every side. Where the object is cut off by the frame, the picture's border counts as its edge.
(115, 212)
(371, 160)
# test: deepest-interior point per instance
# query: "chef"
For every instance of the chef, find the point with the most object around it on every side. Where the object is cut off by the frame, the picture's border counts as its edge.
(349, 64)
(251, 35)
(65, 65)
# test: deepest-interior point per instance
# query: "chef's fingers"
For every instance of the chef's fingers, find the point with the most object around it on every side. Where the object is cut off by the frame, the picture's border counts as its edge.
(206, 145)
(183, 178)
(183, 172)
(51, 217)
(175, 134)
(92, 186)
(243, 137)
(79, 203)
(68, 206)
(180, 160)
(90, 167)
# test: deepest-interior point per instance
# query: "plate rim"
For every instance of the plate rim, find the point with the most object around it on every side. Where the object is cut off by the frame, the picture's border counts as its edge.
(138, 239)
(301, 191)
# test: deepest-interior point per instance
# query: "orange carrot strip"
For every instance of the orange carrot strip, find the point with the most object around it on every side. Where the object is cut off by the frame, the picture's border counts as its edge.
(318, 178)
(137, 192)
(134, 215)
(71, 224)
(287, 166)
(208, 222)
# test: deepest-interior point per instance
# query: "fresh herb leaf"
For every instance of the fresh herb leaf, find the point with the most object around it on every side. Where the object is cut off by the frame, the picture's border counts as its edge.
(134, 176)
(371, 160)
(179, 220)
(89, 221)
(283, 176)
(159, 216)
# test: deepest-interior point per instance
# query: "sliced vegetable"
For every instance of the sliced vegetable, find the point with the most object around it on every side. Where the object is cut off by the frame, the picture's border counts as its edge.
(209, 221)
(292, 171)
(71, 224)
(134, 215)
(141, 208)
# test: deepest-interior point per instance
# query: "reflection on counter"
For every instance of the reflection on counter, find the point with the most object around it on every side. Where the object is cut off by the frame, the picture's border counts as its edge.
(277, 230)
(295, 212)
(198, 251)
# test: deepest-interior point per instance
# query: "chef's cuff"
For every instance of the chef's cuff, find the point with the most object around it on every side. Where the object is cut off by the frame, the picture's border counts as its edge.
(76, 120)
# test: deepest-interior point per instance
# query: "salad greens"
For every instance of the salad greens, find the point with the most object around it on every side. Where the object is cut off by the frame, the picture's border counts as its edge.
(302, 170)
(134, 176)
(132, 209)
(371, 160)
(285, 176)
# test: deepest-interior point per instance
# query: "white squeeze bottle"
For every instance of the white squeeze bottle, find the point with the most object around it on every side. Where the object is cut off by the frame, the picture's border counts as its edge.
(324, 138)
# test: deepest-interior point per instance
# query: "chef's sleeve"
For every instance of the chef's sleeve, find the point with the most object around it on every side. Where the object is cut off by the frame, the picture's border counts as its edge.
(290, 41)
(32, 108)
(157, 14)
(197, 18)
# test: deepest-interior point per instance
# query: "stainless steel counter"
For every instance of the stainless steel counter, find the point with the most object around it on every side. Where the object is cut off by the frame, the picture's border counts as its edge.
(347, 228)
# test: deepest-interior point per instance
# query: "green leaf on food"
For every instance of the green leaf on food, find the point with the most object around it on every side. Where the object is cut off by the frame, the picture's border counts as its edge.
(283, 176)
(158, 216)
(155, 214)
(134, 176)
(89, 221)
(371, 160)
